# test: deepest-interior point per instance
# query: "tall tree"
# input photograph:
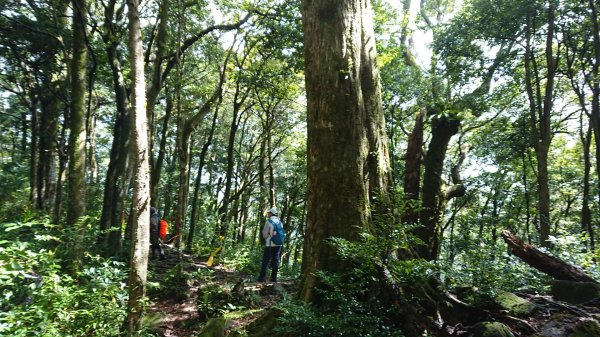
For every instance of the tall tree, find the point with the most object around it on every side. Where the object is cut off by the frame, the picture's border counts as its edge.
(347, 151)
(140, 239)
(77, 136)
(118, 173)
(540, 92)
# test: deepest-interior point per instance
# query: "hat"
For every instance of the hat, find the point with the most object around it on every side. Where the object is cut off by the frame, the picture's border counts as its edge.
(273, 210)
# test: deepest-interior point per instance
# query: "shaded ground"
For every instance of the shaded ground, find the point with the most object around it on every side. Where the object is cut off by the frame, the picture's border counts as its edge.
(180, 318)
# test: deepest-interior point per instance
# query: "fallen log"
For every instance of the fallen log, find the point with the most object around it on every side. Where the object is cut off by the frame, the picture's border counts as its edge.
(544, 262)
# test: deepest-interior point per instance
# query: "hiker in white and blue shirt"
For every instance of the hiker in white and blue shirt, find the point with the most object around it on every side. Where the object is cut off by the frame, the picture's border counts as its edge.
(272, 250)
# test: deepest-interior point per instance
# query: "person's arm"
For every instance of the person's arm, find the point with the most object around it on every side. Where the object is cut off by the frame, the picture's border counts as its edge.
(267, 230)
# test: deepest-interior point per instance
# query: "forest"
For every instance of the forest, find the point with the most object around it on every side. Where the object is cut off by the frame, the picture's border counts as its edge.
(435, 166)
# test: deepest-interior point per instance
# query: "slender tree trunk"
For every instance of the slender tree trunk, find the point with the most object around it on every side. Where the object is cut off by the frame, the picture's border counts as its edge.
(412, 172)
(118, 173)
(196, 199)
(525, 180)
(434, 201)
(540, 109)
(595, 75)
(160, 159)
(62, 165)
(586, 214)
(224, 209)
(157, 79)
(183, 154)
(347, 150)
(34, 156)
(140, 234)
(47, 154)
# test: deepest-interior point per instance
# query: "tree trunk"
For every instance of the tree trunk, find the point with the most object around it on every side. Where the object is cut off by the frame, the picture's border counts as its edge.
(157, 77)
(118, 172)
(47, 152)
(544, 262)
(34, 156)
(434, 201)
(224, 209)
(347, 150)
(412, 171)
(595, 112)
(540, 109)
(586, 214)
(140, 233)
(62, 164)
(77, 137)
(160, 159)
(202, 161)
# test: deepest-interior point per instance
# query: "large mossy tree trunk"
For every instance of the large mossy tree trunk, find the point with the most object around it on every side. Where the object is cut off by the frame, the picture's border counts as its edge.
(77, 169)
(348, 164)
(140, 227)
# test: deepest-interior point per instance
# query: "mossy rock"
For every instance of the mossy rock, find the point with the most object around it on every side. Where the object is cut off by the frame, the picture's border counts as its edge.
(514, 304)
(586, 328)
(491, 329)
(575, 292)
(216, 327)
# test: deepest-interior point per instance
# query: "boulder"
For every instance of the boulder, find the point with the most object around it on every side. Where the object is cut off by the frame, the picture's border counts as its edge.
(586, 328)
(514, 304)
(216, 327)
(575, 292)
(491, 329)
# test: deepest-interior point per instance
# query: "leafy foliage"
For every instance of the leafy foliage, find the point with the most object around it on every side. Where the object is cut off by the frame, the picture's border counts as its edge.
(38, 299)
(345, 309)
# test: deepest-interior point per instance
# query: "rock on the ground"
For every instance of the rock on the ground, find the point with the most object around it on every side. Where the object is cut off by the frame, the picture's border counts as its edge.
(514, 304)
(575, 292)
(216, 327)
(491, 329)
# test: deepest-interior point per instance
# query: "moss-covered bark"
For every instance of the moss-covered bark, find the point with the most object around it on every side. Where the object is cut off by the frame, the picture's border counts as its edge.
(348, 164)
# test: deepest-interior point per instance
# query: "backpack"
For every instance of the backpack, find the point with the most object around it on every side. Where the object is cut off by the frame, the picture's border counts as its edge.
(280, 234)
(164, 229)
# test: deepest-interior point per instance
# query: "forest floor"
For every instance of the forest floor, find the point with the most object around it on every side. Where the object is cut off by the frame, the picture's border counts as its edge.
(180, 317)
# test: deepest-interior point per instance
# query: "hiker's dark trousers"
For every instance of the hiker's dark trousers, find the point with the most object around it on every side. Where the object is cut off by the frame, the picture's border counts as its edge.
(270, 254)
(155, 246)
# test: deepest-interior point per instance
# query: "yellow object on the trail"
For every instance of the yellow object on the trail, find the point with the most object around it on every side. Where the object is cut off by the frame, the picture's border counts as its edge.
(212, 256)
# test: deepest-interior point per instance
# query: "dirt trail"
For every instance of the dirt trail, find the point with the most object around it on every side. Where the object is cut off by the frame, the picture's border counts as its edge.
(180, 318)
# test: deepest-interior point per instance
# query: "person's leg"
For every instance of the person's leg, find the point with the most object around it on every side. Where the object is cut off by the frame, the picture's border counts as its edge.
(161, 250)
(275, 252)
(154, 245)
(152, 249)
(265, 263)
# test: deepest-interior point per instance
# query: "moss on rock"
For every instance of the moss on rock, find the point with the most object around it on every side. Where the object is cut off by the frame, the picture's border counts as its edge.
(514, 304)
(586, 328)
(491, 329)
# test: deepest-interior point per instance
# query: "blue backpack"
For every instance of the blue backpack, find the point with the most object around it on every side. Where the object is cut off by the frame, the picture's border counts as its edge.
(278, 228)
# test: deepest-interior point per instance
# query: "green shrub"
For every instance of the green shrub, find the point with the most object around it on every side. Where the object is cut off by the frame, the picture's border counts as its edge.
(346, 309)
(38, 299)
(174, 284)
(212, 301)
